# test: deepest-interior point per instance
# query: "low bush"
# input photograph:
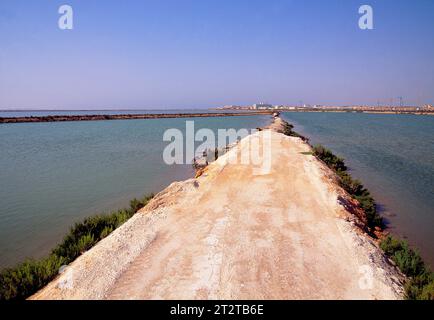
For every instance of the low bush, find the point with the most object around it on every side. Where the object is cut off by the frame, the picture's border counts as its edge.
(354, 187)
(28, 277)
(421, 280)
(288, 130)
(329, 158)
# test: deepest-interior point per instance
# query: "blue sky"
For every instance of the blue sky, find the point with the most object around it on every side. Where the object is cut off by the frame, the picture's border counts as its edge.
(206, 53)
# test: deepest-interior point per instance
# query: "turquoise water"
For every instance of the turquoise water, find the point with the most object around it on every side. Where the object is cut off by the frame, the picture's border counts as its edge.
(393, 155)
(54, 174)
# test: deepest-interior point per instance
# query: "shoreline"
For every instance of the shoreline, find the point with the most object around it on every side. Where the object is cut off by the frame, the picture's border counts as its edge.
(397, 278)
(65, 118)
(419, 113)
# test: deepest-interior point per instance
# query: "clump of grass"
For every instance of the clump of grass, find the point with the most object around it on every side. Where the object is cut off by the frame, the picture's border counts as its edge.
(354, 187)
(329, 158)
(28, 277)
(421, 280)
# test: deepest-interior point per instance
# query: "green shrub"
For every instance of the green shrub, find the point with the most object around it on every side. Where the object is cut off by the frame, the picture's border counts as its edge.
(137, 204)
(420, 288)
(427, 292)
(85, 243)
(408, 260)
(329, 158)
(288, 130)
(354, 187)
(106, 232)
(390, 245)
(28, 277)
(420, 285)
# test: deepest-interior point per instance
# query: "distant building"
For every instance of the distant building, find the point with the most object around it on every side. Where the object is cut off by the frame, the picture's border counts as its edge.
(262, 106)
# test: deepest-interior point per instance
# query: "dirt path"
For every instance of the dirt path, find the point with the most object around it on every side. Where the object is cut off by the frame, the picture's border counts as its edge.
(235, 234)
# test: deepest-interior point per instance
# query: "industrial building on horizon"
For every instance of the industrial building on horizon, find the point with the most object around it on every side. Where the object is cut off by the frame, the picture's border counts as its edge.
(427, 108)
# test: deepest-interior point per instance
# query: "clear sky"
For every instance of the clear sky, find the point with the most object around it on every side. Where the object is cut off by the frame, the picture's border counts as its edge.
(207, 53)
